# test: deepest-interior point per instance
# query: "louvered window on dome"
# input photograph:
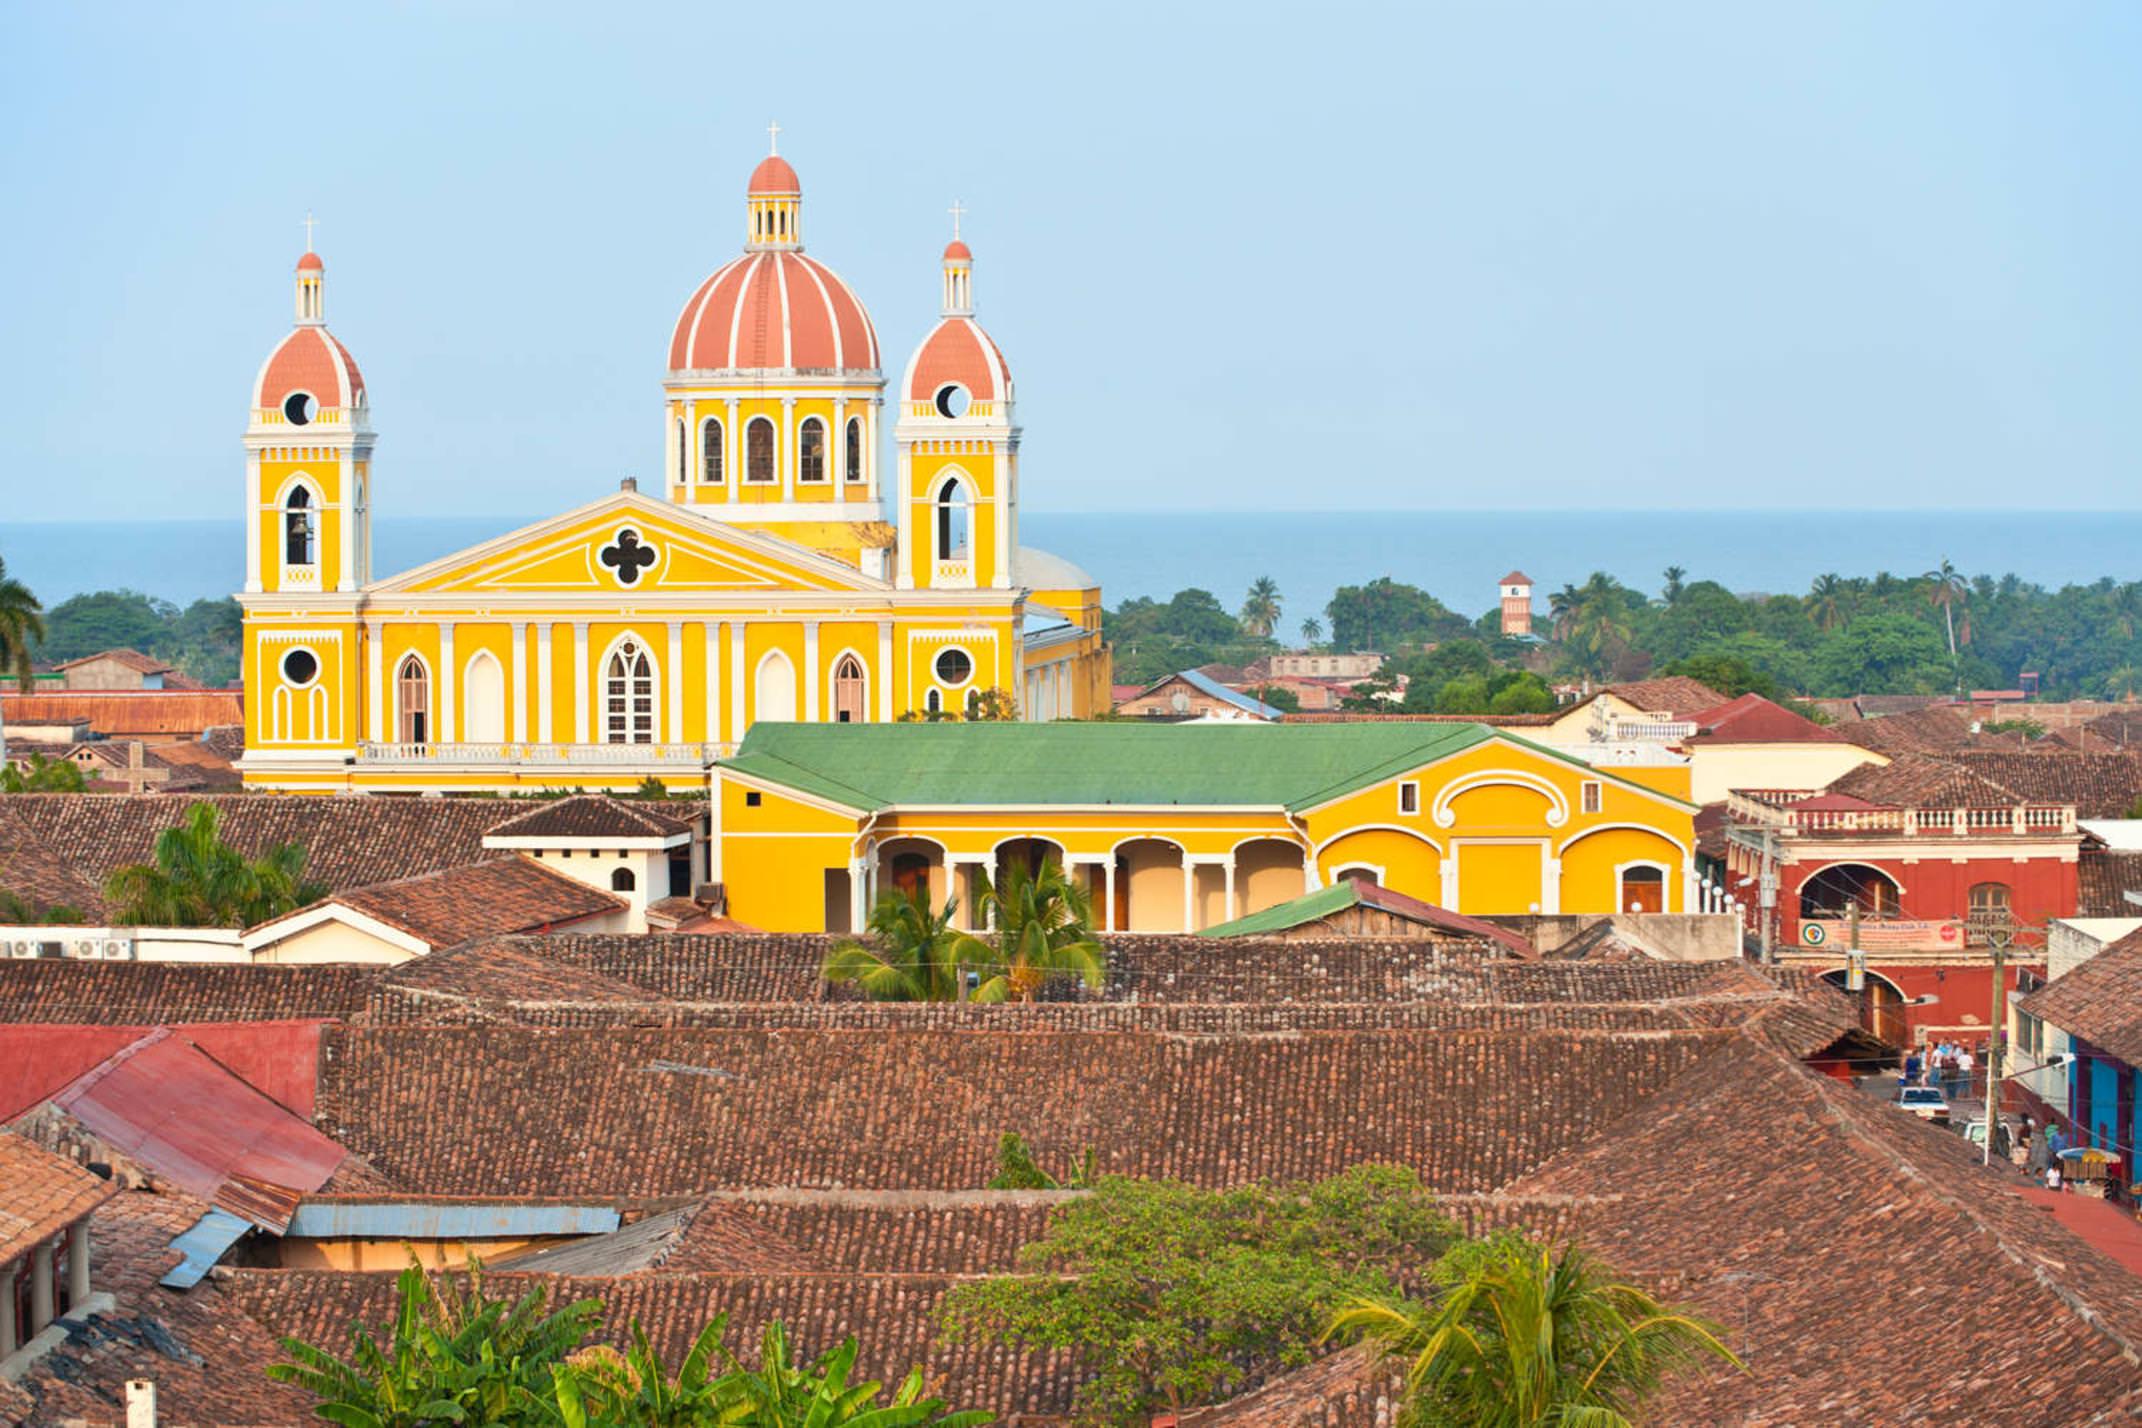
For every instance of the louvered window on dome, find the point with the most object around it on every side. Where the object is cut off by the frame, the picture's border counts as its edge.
(628, 697)
(855, 448)
(759, 451)
(811, 451)
(710, 451)
(300, 535)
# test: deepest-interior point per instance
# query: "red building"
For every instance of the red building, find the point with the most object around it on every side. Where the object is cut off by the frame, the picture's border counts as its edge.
(1912, 852)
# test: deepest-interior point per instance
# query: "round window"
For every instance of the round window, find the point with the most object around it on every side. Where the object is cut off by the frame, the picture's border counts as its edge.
(953, 667)
(952, 400)
(298, 408)
(300, 667)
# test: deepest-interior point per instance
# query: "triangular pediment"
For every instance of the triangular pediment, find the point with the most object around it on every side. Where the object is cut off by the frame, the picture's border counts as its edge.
(629, 544)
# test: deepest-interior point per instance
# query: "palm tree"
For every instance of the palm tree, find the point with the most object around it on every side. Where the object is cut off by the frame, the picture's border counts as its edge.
(1564, 608)
(2126, 603)
(1312, 630)
(1947, 588)
(1260, 612)
(1044, 928)
(1825, 601)
(1515, 1336)
(911, 954)
(22, 623)
(195, 879)
(1674, 576)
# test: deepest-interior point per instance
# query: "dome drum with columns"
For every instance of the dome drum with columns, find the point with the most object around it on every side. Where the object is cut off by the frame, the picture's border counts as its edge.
(779, 567)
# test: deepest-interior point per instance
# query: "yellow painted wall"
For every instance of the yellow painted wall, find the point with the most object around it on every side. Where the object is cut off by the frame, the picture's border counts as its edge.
(1588, 877)
(1499, 878)
(1405, 862)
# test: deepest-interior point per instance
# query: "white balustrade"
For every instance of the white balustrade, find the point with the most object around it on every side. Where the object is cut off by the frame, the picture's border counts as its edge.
(547, 755)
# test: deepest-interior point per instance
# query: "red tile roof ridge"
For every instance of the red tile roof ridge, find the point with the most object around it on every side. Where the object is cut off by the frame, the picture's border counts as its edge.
(41, 1193)
(571, 900)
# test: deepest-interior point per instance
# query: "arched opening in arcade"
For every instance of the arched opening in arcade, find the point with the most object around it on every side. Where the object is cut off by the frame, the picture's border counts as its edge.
(1843, 888)
(1881, 1005)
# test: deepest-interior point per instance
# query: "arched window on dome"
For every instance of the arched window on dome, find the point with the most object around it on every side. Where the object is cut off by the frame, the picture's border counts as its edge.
(301, 536)
(711, 451)
(759, 452)
(855, 449)
(811, 451)
(952, 512)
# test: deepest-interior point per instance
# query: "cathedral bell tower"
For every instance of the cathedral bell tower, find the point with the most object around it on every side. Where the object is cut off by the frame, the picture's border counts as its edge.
(308, 451)
(958, 448)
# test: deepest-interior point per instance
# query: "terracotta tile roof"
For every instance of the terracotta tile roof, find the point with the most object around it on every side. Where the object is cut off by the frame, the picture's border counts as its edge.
(130, 659)
(208, 1359)
(685, 1110)
(137, 712)
(1936, 729)
(165, 993)
(502, 895)
(41, 1194)
(2103, 878)
(894, 1232)
(1885, 705)
(38, 873)
(1752, 719)
(1919, 781)
(1496, 721)
(2100, 1001)
(1675, 693)
(212, 762)
(349, 842)
(496, 978)
(2099, 785)
(1346, 1389)
(597, 815)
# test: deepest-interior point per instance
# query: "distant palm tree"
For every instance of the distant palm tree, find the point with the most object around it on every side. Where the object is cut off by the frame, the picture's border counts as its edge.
(1825, 602)
(1564, 607)
(2123, 680)
(1516, 1336)
(1674, 576)
(1044, 929)
(1947, 588)
(911, 954)
(2126, 604)
(22, 623)
(1312, 630)
(1260, 612)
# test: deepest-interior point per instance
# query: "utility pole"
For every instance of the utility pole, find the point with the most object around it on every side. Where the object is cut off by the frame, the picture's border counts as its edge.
(2000, 932)
(1767, 892)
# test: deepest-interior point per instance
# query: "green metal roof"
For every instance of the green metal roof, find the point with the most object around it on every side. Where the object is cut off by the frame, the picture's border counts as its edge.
(1322, 903)
(873, 766)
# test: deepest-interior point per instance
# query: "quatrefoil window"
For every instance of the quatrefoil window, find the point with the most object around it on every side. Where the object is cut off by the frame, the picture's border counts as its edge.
(627, 556)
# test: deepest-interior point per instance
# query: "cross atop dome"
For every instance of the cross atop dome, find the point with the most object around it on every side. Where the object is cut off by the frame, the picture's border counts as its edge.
(773, 139)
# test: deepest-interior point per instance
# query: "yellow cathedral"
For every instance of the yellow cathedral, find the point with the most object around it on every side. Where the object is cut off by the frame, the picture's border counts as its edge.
(774, 569)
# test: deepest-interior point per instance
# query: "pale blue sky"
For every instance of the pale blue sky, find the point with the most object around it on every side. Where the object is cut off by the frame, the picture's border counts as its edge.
(1420, 256)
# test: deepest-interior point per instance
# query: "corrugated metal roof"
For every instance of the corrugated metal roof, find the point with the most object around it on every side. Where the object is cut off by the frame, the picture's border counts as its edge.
(423, 1220)
(167, 1105)
(202, 1246)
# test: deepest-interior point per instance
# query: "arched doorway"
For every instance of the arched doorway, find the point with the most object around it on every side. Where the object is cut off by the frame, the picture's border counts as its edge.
(1642, 889)
(908, 864)
(1836, 890)
(1881, 1005)
(1149, 887)
(1268, 872)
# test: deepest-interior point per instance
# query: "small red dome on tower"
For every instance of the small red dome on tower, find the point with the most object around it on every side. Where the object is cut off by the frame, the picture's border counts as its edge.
(311, 263)
(773, 175)
(958, 352)
(959, 251)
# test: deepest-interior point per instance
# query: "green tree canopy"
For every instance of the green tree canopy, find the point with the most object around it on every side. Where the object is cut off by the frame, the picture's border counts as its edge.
(1173, 1296)
(1387, 615)
(195, 879)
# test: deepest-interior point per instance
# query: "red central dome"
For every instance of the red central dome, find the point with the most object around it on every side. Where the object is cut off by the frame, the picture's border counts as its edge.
(777, 310)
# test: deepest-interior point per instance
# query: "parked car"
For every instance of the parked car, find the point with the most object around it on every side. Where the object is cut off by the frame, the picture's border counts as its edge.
(1925, 1102)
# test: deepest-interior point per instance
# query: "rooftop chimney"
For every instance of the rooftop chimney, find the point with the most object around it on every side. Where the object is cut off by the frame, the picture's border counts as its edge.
(629, 483)
(140, 1403)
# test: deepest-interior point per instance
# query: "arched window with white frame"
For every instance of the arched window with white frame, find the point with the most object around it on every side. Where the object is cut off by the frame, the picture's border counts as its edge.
(628, 695)
(954, 508)
(849, 694)
(811, 452)
(855, 450)
(759, 452)
(774, 690)
(412, 702)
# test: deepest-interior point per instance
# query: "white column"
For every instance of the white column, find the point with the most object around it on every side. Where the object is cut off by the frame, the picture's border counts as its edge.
(714, 797)
(1228, 913)
(858, 896)
(520, 681)
(732, 441)
(904, 519)
(347, 556)
(736, 679)
(989, 880)
(885, 672)
(676, 683)
(78, 1261)
(375, 679)
(1189, 894)
(448, 678)
(1450, 880)
(785, 449)
(695, 462)
(839, 463)
(543, 682)
(1108, 892)
(580, 681)
(255, 505)
(1551, 885)
(712, 716)
(1000, 572)
(810, 671)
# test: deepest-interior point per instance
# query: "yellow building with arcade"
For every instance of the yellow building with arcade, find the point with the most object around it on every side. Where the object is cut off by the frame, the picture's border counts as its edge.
(777, 567)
